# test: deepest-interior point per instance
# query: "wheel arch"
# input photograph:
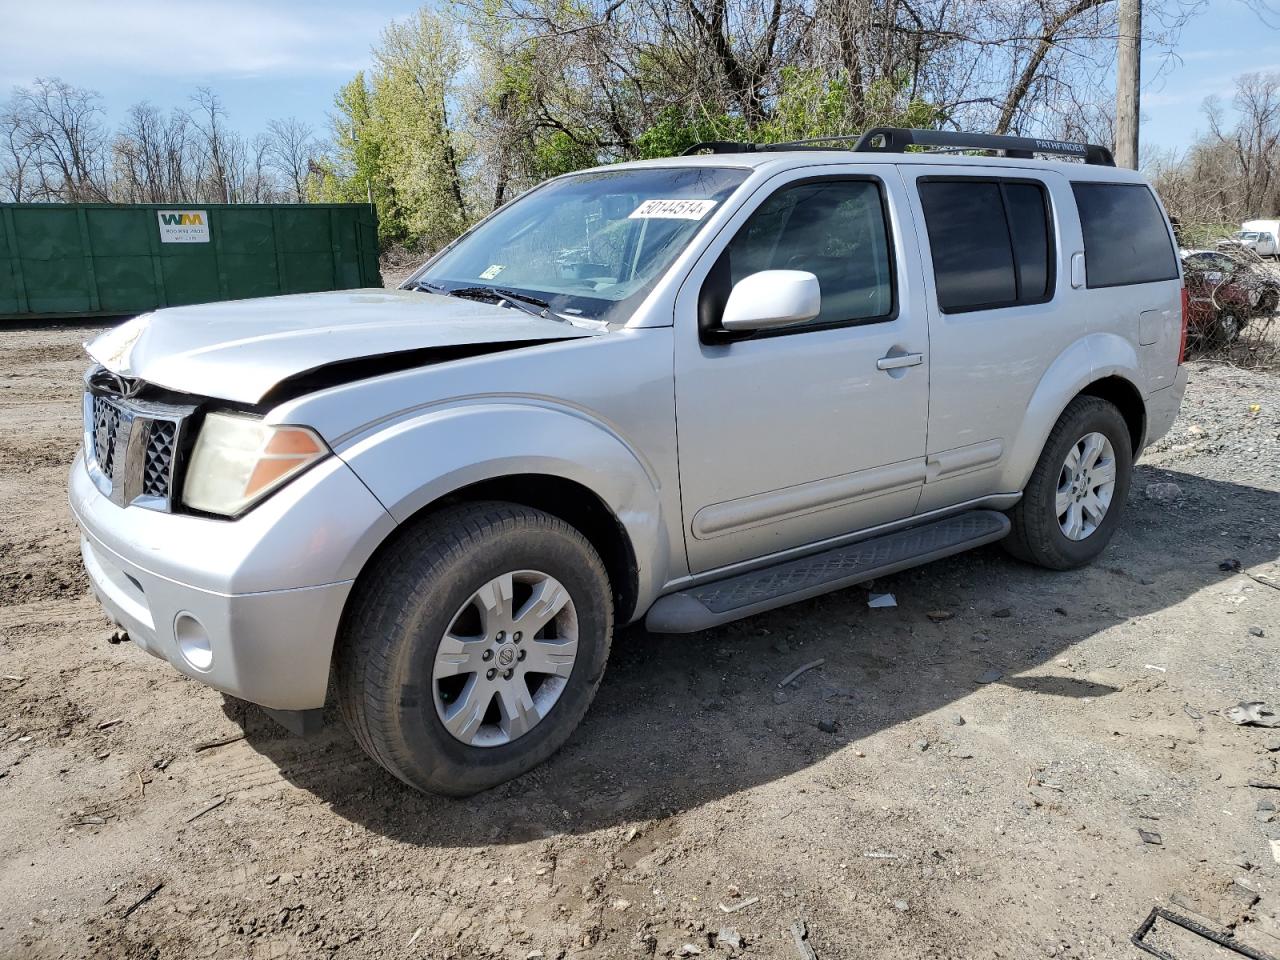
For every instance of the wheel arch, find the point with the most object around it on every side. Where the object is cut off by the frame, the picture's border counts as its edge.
(575, 504)
(1124, 395)
(1100, 365)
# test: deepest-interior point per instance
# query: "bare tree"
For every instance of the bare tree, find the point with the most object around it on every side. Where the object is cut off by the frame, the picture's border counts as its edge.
(16, 158)
(217, 145)
(1230, 175)
(290, 147)
(61, 129)
(154, 160)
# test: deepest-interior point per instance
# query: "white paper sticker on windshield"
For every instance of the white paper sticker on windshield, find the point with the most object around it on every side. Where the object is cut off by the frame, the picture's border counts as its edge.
(673, 210)
(491, 272)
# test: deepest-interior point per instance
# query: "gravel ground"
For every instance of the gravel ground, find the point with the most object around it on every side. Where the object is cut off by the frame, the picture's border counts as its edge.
(966, 775)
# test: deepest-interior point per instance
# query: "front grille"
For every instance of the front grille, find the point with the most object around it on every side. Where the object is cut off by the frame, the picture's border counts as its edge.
(105, 427)
(157, 461)
(132, 446)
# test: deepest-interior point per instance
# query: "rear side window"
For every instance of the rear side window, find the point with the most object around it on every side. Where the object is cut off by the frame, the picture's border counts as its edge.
(1125, 237)
(990, 240)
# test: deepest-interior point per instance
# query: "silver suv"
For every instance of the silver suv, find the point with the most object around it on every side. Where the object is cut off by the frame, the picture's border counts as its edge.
(680, 391)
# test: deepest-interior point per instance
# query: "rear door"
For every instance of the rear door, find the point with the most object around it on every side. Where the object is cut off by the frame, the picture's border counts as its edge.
(1000, 311)
(817, 430)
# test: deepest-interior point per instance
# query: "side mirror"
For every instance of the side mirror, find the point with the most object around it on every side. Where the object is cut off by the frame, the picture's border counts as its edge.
(770, 299)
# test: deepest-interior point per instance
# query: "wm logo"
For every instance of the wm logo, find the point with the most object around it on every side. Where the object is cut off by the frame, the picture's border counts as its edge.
(182, 219)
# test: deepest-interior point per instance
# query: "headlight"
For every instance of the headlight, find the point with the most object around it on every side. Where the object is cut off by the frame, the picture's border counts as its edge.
(238, 460)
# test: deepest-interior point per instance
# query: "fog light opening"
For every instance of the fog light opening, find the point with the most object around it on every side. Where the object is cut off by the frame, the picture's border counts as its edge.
(193, 641)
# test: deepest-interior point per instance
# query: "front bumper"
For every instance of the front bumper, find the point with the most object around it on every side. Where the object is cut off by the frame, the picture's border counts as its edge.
(250, 607)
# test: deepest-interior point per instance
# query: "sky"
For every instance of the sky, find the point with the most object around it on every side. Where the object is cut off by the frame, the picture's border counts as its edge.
(280, 58)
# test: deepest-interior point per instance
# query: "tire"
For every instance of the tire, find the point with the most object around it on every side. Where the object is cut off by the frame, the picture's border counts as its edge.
(1038, 535)
(1225, 330)
(428, 581)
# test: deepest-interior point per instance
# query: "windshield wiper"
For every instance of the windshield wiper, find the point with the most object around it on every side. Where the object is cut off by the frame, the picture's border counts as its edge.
(529, 304)
(428, 286)
(534, 306)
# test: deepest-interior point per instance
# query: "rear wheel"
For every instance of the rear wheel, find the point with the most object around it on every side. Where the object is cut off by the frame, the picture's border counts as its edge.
(1072, 504)
(1225, 330)
(474, 646)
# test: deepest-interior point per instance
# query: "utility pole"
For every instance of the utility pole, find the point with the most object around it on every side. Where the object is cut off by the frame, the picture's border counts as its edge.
(1128, 82)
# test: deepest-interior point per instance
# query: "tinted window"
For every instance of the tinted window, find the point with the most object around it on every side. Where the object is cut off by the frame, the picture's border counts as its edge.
(1029, 226)
(1125, 238)
(834, 229)
(990, 242)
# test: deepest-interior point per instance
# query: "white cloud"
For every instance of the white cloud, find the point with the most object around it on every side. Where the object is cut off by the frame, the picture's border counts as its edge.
(183, 38)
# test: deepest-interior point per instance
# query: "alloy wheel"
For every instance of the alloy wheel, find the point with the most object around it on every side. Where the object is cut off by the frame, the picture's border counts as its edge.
(505, 659)
(1086, 485)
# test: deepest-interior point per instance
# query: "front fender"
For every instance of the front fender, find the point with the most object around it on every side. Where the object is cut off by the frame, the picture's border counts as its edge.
(416, 461)
(1085, 361)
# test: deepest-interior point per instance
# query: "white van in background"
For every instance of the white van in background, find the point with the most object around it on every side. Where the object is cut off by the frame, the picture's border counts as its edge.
(1260, 236)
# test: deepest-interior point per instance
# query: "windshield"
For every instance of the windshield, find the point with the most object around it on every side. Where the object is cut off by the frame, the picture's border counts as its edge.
(589, 245)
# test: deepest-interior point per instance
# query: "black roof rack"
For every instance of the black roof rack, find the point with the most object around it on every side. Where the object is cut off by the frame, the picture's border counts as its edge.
(897, 139)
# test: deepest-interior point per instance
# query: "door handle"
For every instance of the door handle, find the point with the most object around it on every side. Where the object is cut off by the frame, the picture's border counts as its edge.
(899, 361)
(1077, 270)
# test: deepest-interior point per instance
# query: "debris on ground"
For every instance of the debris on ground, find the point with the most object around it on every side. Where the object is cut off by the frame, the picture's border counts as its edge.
(1252, 713)
(878, 600)
(1151, 837)
(729, 937)
(938, 616)
(991, 676)
(1230, 565)
(142, 900)
(790, 677)
(220, 742)
(1256, 632)
(212, 805)
(741, 905)
(689, 950)
(800, 936)
(1162, 491)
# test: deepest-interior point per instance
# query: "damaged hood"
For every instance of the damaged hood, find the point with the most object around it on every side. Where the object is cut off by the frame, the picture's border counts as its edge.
(239, 350)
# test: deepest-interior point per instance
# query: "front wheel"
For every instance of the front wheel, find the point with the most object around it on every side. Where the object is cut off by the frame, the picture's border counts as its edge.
(1071, 506)
(474, 645)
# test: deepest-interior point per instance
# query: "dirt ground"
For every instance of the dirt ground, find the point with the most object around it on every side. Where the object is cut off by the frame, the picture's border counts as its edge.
(891, 800)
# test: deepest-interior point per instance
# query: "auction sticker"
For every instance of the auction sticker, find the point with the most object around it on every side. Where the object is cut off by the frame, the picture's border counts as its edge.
(673, 210)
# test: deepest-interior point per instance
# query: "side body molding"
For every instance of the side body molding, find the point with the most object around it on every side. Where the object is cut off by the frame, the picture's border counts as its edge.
(1085, 361)
(442, 448)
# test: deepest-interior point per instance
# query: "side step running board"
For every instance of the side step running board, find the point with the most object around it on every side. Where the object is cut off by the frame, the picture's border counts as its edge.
(711, 604)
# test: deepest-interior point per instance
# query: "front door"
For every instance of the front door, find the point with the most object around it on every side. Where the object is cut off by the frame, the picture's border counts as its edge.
(813, 431)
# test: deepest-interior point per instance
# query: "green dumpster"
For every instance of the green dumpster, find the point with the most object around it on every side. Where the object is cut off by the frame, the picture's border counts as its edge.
(101, 259)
